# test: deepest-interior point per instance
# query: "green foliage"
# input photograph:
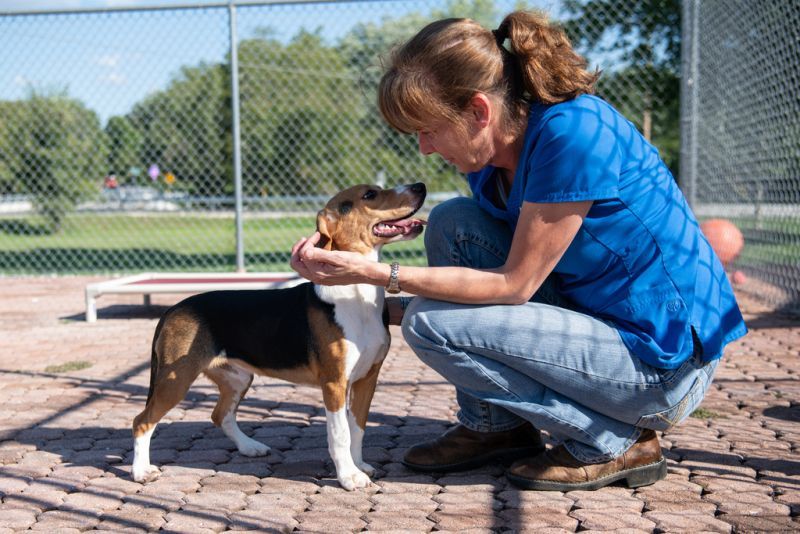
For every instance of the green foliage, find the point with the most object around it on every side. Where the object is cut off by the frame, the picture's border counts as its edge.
(186, 130)
(55, 150)
(125, 145)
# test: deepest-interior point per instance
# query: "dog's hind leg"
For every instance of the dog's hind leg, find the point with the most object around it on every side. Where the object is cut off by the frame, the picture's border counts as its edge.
(169, 387)
(233, 383)
(361, 393)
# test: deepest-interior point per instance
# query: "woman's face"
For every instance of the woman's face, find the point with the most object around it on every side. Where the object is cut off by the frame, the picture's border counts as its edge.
(466, 147)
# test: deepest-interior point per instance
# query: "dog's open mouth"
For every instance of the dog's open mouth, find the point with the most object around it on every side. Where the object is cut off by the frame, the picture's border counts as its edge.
(397, 227)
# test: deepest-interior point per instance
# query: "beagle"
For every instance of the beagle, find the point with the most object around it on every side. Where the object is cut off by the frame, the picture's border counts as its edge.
(334, 337)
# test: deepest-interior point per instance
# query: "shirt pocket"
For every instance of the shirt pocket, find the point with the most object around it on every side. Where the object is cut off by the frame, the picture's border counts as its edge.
(655, 315)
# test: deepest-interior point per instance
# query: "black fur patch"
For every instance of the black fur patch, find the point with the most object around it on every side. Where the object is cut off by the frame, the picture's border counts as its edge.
(345, 207)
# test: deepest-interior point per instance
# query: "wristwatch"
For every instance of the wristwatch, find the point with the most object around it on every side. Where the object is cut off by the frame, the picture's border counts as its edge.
(394, 283)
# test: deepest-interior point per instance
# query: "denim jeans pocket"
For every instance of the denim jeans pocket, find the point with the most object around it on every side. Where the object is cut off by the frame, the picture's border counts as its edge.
(666, 419)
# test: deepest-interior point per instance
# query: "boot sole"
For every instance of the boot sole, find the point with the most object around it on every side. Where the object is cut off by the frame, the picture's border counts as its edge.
(634, 478)
(504, 456)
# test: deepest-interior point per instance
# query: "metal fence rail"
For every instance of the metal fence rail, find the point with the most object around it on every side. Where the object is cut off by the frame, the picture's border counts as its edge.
(741, 153)
(205, 138)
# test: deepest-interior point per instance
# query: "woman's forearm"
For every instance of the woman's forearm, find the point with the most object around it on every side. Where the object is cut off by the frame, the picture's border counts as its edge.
(455, 284)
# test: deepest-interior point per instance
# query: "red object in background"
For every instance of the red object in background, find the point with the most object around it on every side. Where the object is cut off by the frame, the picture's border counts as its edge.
(739, 278)
(725, 238)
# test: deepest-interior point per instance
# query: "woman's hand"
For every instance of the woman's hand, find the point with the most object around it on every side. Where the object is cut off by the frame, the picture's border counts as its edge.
(330, 268)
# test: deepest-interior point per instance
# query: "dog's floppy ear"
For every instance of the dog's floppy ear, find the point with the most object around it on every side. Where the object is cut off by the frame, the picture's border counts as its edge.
(325, 224)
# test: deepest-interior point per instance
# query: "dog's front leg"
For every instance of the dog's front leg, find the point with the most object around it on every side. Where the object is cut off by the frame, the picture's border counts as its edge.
(349, 476)
(361, 394)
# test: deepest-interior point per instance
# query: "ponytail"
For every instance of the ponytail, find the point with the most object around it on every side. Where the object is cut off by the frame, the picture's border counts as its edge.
(551, 70)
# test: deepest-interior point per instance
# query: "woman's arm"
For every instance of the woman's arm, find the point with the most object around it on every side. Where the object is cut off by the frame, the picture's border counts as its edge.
(543, 233)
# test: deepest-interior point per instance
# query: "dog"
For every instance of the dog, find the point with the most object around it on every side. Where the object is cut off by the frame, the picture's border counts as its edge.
(334, 337)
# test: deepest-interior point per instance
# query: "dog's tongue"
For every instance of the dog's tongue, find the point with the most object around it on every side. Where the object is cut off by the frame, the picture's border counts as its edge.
(400, 226)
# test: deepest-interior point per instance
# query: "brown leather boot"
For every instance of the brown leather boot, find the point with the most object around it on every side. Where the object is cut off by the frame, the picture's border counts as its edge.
(461, 448)
(557, 470)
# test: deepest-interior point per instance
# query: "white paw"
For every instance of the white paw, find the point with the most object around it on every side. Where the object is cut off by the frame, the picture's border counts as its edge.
(366, 468)
(253, 448)
(353, 480)
(146, 473)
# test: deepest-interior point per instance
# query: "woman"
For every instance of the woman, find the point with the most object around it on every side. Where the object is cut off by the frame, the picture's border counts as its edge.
(574, 292)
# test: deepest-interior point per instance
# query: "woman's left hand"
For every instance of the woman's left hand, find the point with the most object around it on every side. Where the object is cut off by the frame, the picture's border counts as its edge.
(330, 268)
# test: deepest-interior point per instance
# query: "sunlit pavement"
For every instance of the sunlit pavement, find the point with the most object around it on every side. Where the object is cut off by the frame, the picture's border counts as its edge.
(69, 390)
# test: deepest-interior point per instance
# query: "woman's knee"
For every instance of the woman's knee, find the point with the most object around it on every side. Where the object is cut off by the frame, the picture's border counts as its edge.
(420, 331)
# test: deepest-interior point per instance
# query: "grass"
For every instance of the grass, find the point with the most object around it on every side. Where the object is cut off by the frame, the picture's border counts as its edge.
(702, 413)
(118, 243)
(76, 365)
(92, 243)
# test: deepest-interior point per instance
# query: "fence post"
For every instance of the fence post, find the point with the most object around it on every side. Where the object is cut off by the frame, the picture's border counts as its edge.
(237, 146)
(689, 84)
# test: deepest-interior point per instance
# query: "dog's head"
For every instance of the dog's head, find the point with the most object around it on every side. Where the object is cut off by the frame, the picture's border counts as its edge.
(365, 217)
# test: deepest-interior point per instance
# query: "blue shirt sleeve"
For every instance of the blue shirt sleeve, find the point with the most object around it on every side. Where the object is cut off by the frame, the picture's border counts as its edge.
(576, 157)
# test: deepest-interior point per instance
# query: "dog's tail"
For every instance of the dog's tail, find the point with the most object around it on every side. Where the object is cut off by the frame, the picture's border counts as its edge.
(154, 358)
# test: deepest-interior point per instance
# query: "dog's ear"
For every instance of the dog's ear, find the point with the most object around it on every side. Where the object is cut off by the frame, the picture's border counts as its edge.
(325, 224)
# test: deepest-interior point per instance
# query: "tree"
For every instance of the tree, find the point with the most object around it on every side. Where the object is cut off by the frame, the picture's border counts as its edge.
(125, 143)
(186, 129)
(57, 153)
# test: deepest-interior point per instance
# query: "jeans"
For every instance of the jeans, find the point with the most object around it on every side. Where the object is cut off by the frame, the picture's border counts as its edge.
(565, 372)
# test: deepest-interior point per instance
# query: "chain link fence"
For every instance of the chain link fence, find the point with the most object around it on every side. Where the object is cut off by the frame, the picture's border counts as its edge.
(741, 152)
(206, 138)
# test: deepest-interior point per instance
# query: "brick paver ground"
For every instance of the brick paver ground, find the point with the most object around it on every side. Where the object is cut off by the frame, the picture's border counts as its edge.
(65, 443)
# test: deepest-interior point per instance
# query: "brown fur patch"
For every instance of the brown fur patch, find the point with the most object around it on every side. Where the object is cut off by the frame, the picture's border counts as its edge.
(361, 393)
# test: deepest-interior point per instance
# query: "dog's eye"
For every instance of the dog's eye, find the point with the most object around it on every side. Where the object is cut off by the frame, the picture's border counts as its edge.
(369, 195)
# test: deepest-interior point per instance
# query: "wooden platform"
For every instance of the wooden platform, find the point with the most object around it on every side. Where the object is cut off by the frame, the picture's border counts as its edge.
(150, 283)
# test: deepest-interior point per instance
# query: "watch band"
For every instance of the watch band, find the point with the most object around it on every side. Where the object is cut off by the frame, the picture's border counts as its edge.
(394, 283)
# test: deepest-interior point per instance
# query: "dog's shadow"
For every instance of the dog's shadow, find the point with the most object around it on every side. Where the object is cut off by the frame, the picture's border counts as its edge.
(296, 434)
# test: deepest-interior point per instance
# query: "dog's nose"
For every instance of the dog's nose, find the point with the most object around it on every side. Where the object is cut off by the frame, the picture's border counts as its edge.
(418, 187)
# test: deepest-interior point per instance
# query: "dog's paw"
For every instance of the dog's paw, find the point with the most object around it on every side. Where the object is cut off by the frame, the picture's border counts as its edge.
(147, 473)
(253, 448)
(366, 468)
(354, 480)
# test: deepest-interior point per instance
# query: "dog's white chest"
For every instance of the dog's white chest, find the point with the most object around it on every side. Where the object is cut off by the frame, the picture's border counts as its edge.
(358, 309)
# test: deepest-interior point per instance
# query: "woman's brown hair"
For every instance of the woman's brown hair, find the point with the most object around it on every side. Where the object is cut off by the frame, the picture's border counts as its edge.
(436, 73)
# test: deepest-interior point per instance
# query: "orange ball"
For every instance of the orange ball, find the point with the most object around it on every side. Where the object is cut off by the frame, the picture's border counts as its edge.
(724, 237)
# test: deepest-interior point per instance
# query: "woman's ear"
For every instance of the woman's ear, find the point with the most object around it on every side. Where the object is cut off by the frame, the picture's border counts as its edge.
(325, 225)
(480, 106)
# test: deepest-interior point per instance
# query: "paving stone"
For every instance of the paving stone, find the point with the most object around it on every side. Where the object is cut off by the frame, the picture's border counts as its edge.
(758, 524)
(533, 520)
(611, 519)
(195, 520)
(37, 499)
(355, 502)
(459, 520)
(417, 484)
(258, 521)
(747, 504)
(407, 520)
(610, 498)
(324, 522)
(58, 520)
(17, 518)
(395, 502)
(481, 500)
(545, 501)
(95, 500)
(676, 501)
(683, 522)
(127, 520)
(168, 501)
(273, 502)
(300, 485)
(226, 501)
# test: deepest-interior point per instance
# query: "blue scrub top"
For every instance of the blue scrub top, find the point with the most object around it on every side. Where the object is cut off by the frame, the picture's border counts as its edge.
(639, 260)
